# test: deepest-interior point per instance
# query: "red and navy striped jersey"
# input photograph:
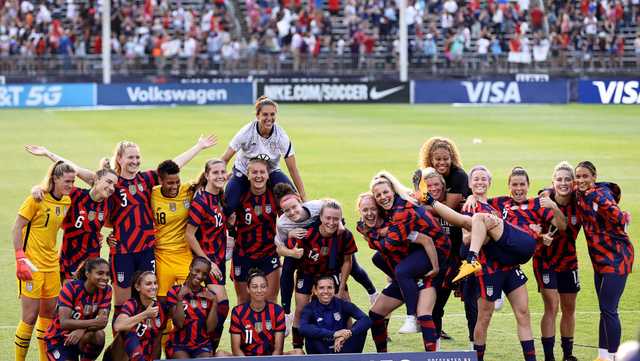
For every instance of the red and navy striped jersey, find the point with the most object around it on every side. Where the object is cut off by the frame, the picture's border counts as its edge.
(604, 226)
(206, 214)
(140, 338)
(391, 250)
(560, 255)
(131, 214)
(82, 226)
(257, 329)
(323, 255)
(196, 307)
(83, 305)
(256, 226)
(489, 264)
(524, 214)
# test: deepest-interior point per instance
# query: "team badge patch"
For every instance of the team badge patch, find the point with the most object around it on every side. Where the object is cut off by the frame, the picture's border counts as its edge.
(595, 206)
(86, 310)
(324, 251)
(29, 285)
(574, 220)
(267, 209)
(337, 316)
(57, 211)
(158, 322)
(257, 210)
(300, 284)
(204, 303)
(120, 276)
(258, 327)
(489, 291)
(140, 187)
(186, 203)
(56, 354)
(194, 304)
(545, 278)
(172, 207)
(132, 189)
(92, 216)
(268, 325)
(237, 271)
(101, 216)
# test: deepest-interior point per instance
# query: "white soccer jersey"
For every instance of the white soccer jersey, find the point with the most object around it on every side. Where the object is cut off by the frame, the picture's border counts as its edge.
(248, 143)
(284, 224)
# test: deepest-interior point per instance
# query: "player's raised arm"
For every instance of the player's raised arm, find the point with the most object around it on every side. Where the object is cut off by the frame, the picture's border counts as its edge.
(85, 174)
(203, 143)
(295, 175)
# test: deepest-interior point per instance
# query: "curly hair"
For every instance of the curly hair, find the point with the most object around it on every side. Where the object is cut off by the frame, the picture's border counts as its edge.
(433, 143)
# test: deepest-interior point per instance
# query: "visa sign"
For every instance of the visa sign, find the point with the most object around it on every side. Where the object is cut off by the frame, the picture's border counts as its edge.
(609, 92)
(52, 95)
(492, 92)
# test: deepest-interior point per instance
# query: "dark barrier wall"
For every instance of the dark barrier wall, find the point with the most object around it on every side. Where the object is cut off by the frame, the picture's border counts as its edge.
(336, 92)
(184, 94)
(392, 356)
(491, 92)
(609, 91)
(47, 95)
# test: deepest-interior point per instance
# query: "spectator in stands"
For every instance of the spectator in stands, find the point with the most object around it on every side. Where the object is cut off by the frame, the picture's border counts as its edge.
(483, 45)
(430, 51)
(636, 47)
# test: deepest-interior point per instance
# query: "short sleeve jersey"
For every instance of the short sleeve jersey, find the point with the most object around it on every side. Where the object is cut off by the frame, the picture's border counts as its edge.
(457, 181)
(256, 225)
(171, 219)
(131, 213)
(206, 214)
(140, 338)
(40, 235)
(284, 224)
(248, 143)
(257, 329)
(83, 306)
(193, 333)
(523, 214)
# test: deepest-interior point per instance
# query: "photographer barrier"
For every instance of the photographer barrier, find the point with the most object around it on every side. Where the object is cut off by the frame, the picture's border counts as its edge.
(392, 356)
(336, 92)
(47, 95)
(609, 91)
(491, 92)
(181, 94)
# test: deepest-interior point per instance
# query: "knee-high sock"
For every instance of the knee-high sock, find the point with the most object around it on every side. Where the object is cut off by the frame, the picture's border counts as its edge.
(22, 340)
(567, 346)
(547, 345)
(360, 275)
(297, 339)
(413, 266)
(429, 336)
(287, 281)
(378, 331)
(223, 312)
(528, 350)
(480, 351)
(41, 328)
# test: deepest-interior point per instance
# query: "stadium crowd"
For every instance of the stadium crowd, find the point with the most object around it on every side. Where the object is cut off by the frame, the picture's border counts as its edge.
(291, 257)
(204, 35)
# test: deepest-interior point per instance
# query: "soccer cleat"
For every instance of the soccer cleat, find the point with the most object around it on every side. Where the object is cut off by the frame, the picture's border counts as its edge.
(467, 269)
(570, 358)
(288, 321)
(373, 297)
(445, 336)
(410, 325)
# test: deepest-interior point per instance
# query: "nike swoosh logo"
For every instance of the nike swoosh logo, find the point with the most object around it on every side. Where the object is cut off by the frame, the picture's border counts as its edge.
(375, 94)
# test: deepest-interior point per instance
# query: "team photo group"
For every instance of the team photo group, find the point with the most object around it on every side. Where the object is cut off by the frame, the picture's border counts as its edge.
(163, 291)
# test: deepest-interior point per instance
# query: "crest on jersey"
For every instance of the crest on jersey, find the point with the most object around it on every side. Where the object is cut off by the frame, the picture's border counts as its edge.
(172, 207)
(158, 322)
(257, 210)
(337, 316)
(57, 211)
(268, 325)
(140, 187)
(300, 284)
(29, 285)
(545, 278)
(91, 216)
(595, 206)
(132, 189)
(489, 291)
(101, 216)
(267, 209)
(258, 327)
(120, 276)
(574, 220)
(237, 270)
(86, 310)
(56, 354)
(194, 303)
(204, 303)
(324, 251)
(186, 203)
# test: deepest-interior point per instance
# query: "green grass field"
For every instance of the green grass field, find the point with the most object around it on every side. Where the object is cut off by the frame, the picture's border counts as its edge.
(338, 149)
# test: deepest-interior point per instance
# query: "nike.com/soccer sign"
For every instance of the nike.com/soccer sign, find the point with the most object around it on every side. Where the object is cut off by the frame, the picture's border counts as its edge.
(351, 92)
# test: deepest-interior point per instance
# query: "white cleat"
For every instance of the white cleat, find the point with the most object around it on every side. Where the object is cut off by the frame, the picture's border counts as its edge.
(410, 325)
(288, 321)
(373, 297)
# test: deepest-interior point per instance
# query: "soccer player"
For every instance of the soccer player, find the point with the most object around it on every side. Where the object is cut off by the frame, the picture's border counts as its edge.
(192, 307)
(260, 136)
(555, 264)
(325, 322)
(610, 249)
(325, 252)
(298, 215)
(83, 313)
(206, 216)
(131, 216)
(139, 326)
(38, 271)
(255, 223)
(257, 326)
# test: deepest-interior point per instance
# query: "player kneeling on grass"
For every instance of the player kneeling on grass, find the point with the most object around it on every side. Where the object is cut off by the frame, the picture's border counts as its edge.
(83, 313)
(193, 311)
(324, 322)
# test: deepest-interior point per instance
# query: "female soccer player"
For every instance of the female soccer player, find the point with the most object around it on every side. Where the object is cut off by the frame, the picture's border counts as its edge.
(610, 250)
(297, 215)
(256, 229)
(257, 326)
(38, 271)
(325, 252)
(260, 136)
(192, 308)
(206, 216)
(83, 313)
(325, 322)
(139, 326)
(406, 219)
(131, 216)
(555, 264)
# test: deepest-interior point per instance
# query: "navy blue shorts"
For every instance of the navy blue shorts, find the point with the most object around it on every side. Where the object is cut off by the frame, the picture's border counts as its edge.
(123, 266)
(564, 282)
(214, 281)
(192, 352)
(242, 266)
(62, 352)
(491, 286)
(515, 247)
(305, 282)
(393, 289)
